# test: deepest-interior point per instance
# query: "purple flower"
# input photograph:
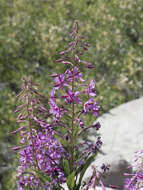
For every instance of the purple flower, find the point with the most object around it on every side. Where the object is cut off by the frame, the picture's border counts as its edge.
(96, 125)
(74, 74)
(95, 147)
(59, 81)
(105, 167)
(54, 109)
(80, 121)
(91, 106)
(90, 91)
(72, 97)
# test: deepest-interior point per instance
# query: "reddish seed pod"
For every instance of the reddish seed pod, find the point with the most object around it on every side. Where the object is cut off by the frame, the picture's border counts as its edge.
(59, 60)
(54, 75)
(17, 148)
(19, 129)
(62, 52)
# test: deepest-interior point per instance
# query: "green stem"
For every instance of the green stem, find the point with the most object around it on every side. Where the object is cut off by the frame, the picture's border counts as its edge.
(31, 136)
(72, 127)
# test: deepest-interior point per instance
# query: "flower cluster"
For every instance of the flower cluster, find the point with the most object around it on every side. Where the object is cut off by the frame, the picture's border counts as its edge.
(72, 98)
(40, 152)
(47, 155)
(135, 181)
(50, 151)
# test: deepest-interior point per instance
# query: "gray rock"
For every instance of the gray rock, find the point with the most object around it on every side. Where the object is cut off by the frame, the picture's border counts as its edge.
(97, 188)
(122, 135)
(122, 129)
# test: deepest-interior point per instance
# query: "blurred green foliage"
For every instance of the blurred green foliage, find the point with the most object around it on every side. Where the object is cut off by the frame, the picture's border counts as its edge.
(33, 32)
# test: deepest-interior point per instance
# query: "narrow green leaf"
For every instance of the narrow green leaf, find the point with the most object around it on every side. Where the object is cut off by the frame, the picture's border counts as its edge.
(71, 181)
(63, 142)
(66, 167)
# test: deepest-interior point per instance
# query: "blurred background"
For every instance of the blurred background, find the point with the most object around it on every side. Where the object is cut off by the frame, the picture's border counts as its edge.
(32, 33)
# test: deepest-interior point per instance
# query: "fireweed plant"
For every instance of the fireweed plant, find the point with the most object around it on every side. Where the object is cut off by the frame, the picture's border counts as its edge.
(52, 150)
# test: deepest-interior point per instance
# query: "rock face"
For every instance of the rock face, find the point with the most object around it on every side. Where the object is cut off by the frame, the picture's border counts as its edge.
(97, 188)
(122, 135)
